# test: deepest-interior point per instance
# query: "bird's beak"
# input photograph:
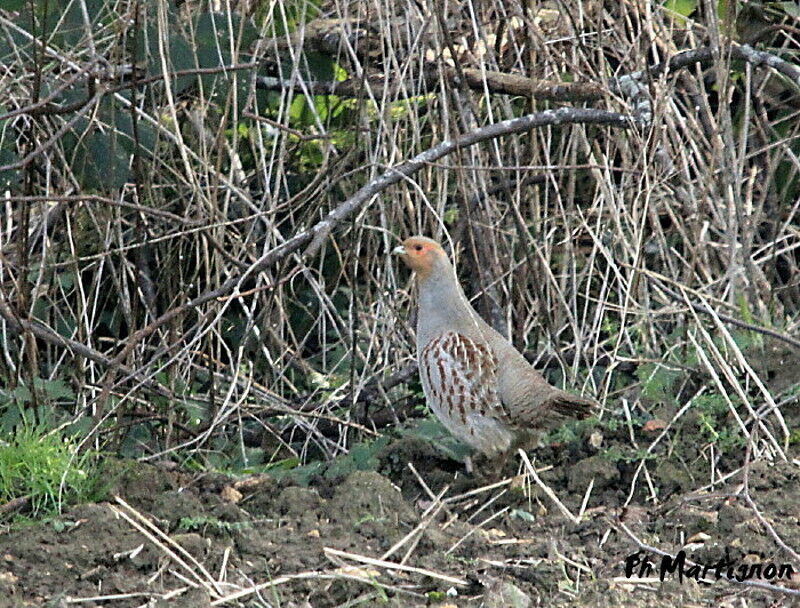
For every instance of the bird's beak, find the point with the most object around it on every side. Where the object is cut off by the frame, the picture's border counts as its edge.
(399, 250)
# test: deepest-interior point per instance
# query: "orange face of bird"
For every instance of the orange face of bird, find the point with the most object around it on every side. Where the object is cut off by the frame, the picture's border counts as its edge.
(420, 254)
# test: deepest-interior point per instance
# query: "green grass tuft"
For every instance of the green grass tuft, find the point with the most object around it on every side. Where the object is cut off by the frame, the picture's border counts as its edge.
(45, 466)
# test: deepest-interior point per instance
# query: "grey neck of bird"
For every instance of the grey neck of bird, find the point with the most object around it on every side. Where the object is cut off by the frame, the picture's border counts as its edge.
(442, 305)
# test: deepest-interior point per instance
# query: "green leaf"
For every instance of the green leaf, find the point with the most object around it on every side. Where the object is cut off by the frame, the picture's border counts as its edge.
(520, 514)
(102, 162)
(658, 383)
(179, 57)
(22, 394)
(124, 128)
(81, 427)
(58, 389)
(8, 156)
(213, 40)
(12, 413)
(319, 67)
(138, 436)
(8, 149)
(66, 280)
(216, 42)
(362, 457)
(684, 8)
(100, 157)
(434, 432)
(196, 411)
(791, 8)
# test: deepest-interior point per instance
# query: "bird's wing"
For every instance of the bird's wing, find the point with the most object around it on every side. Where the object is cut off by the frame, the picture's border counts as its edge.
(460, 377)
(527, 397)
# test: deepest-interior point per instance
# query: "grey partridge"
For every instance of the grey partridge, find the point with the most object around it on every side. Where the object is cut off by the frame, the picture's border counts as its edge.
(476, 383)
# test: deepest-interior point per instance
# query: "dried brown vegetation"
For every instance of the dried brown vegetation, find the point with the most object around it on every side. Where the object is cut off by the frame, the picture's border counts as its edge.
(198, 209)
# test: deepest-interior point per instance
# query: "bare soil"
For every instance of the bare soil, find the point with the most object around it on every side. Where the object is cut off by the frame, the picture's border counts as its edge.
(257, 530)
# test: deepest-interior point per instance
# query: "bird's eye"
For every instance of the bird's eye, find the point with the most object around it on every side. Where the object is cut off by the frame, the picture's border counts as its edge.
(418, 247)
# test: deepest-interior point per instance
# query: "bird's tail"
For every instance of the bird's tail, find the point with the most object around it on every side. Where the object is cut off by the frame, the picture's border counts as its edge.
(571, 406)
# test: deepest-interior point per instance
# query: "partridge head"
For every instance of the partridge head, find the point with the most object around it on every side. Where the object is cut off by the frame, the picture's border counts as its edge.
(476, 383)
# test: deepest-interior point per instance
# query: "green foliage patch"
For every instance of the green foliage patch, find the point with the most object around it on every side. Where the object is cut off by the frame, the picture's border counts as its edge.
(202, 522)
(46, 467)
(361, 457)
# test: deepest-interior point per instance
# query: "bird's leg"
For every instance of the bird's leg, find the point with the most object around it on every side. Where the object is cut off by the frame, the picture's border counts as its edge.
(494, 466)
(468, 464)
(489, 468)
